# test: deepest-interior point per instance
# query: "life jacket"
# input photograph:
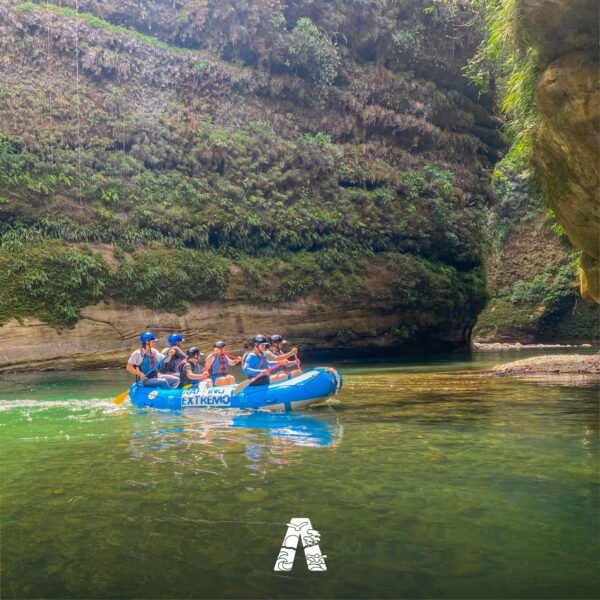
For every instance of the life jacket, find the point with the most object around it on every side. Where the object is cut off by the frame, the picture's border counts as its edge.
(183, 378)
(148, 362)
(263, 362)
(220, 365)
(278, 369)
(172, 365)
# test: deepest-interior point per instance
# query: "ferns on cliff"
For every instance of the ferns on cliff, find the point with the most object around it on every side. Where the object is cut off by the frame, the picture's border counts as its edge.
(224, 148)
(505, 62)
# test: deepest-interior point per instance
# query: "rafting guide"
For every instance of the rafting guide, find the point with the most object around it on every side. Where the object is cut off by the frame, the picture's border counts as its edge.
(300, 528)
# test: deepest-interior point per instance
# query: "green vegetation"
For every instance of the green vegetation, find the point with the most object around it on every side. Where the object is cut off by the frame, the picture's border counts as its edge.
(313, 53)
(244, 204)
(336, 275)
(419, 286)
(533, 273)
(54, 281)
(17, 168)
(247, 150)
(515, 69)
(95, 21)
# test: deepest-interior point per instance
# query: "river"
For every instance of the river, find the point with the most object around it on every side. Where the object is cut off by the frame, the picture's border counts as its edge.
(429, 479)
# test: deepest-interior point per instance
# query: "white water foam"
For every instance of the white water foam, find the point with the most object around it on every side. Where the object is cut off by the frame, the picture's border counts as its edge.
(105, 404)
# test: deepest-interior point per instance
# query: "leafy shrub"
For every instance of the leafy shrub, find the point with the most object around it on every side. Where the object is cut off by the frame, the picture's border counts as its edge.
(313, 53)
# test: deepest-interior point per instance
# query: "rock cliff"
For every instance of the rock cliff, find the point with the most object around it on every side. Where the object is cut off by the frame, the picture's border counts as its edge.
(106, 334)
(565, 33)
(532, 273)
(241, 157)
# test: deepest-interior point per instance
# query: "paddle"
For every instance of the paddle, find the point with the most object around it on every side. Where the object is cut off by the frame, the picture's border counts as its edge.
(242, 386)
(121, 397)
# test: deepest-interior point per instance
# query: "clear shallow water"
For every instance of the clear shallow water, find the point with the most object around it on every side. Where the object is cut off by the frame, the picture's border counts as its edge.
(428, 480)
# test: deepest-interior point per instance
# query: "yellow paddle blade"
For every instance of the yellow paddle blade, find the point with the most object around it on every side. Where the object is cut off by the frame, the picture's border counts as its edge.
(119, 399)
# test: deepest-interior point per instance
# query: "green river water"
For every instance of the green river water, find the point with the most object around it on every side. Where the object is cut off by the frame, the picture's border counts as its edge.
(429, 479)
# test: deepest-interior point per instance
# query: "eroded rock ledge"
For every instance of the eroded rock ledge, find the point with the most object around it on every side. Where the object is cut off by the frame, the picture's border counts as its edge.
(107, 333)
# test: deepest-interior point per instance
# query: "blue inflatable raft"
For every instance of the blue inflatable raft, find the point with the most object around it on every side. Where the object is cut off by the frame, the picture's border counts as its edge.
(292, 394)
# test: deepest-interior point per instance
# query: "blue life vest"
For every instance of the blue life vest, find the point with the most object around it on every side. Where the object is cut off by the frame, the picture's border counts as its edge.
(147, 366)
(263, 362)
(171, 367)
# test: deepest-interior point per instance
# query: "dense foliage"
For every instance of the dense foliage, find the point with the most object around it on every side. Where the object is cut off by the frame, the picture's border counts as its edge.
(295, 141)
(507, 63)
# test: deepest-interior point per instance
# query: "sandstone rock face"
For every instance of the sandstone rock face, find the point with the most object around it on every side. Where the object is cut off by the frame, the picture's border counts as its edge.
(107, 334)
(566, 152)
(557, 27)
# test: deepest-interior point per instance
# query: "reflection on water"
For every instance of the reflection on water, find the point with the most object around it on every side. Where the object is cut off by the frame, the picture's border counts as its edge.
(266, 439)
(428, 480)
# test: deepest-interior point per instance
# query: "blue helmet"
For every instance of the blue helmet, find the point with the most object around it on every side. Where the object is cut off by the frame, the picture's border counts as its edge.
(174, 338)
(259, 339)
(148, 336)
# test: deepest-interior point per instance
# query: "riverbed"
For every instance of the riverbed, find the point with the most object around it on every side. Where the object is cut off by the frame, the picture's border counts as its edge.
(426, 478)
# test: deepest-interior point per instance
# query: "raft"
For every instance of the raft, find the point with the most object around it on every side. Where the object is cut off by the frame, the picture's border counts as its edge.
(283, 396)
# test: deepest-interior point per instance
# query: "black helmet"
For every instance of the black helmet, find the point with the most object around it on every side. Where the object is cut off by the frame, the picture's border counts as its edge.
(277, 339)
(259, 339)
(219, 344)
(193, 351)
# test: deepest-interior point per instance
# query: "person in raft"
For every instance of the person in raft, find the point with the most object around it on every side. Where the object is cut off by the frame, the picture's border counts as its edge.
(275, 353)
(141, 363)
(171, 367)
(256, 362)
(218, 364)
(190, 371)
